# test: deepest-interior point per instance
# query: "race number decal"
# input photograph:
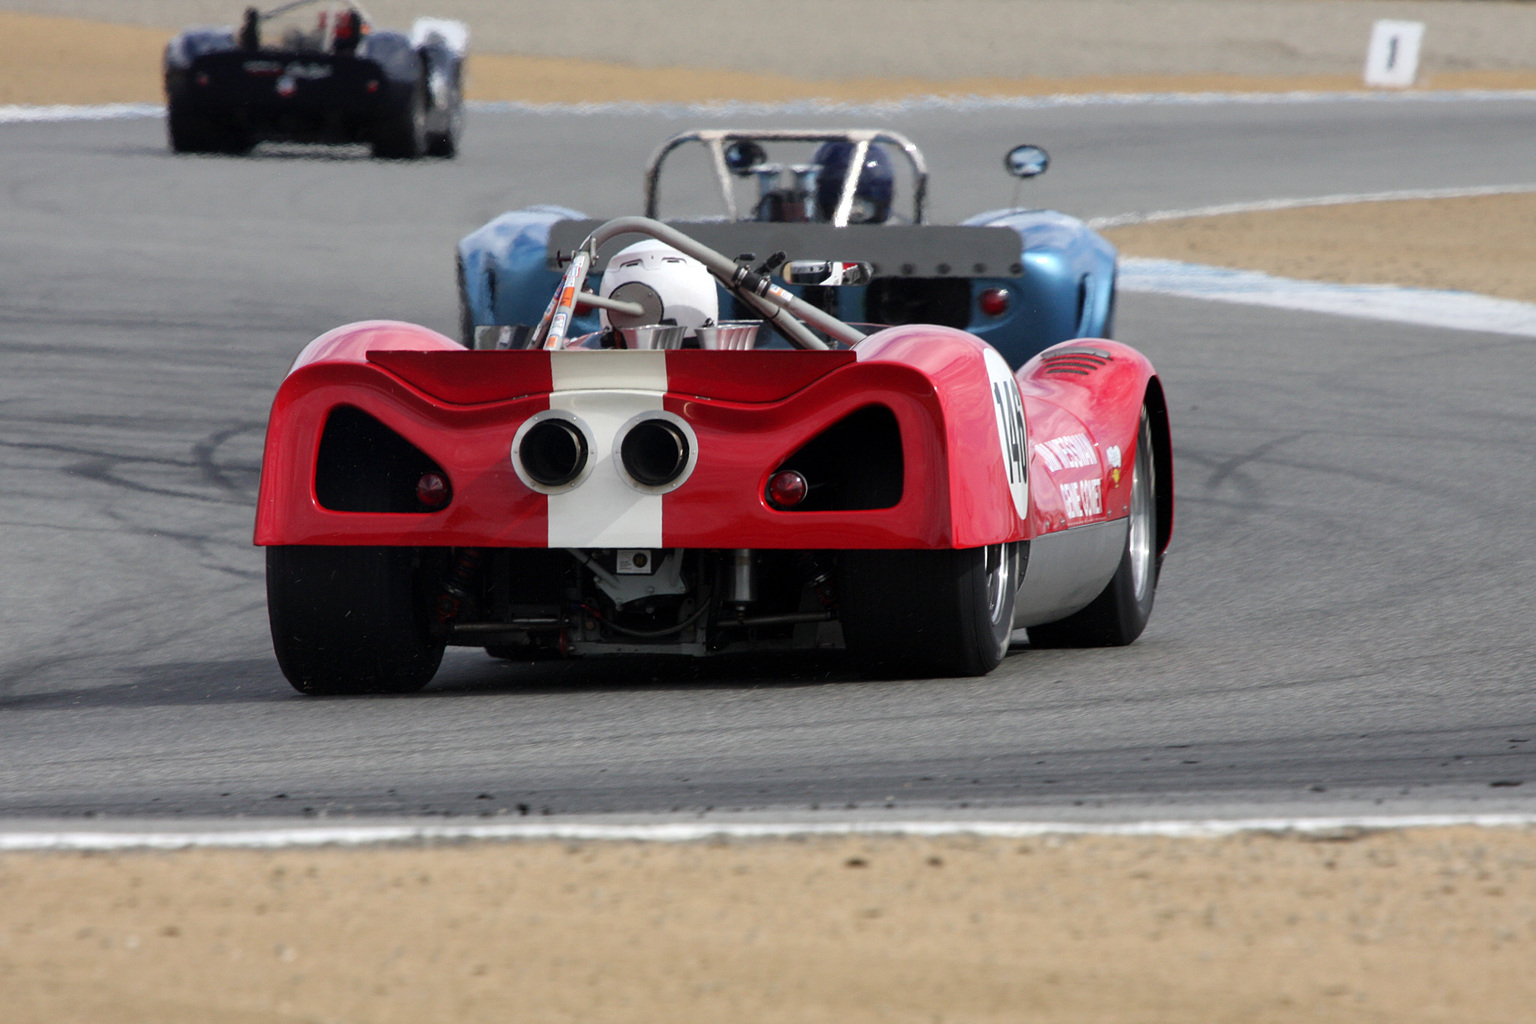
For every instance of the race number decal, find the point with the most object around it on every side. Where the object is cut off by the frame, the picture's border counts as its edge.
(1009, 410)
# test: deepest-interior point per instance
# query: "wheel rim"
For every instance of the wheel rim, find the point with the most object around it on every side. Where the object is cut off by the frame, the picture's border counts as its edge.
(999, 580)
(1142, 489)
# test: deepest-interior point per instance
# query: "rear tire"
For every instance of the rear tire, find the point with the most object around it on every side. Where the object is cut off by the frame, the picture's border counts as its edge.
(911, 614)
(445, 144)
(350, 619)
(403, 135)
(1119, 614)
(189, 132)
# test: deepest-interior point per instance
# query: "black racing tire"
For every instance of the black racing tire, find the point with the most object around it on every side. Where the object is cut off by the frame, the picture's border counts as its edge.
(403, 134)
(186, 132)
(191, 132)
(350, 619)
(445, 144)
(919, 614)
(1120, 612)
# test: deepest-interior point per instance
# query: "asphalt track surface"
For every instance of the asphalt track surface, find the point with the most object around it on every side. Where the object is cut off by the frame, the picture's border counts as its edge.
(1344, 620)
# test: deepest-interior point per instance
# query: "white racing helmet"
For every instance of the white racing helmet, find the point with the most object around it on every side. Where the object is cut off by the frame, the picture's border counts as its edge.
(668, 284)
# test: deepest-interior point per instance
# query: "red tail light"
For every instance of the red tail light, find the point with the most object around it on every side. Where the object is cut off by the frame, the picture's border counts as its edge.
(432, 490)
(787, 489)
(994, 301)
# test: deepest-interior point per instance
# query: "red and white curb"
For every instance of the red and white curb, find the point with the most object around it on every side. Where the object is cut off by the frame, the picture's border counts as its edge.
(692, 832)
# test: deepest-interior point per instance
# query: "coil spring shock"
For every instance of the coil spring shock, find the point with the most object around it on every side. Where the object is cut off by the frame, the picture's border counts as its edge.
(456, 589)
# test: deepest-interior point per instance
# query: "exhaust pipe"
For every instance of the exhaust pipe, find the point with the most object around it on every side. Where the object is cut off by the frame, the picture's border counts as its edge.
(654, 452)
(552, 452)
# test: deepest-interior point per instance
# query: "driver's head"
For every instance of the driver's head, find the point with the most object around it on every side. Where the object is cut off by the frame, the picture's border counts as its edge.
(350, 28)
(668, 284)
(871, 196)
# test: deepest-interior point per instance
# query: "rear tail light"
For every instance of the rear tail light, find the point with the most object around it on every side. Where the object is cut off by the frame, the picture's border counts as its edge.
(787, 488)
(432, 490)
(994, 301)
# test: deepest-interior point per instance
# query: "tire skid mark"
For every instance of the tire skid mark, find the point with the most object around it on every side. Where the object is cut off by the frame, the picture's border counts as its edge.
(1232, 465)
(107, 467)
(103, 470)
(203, 453)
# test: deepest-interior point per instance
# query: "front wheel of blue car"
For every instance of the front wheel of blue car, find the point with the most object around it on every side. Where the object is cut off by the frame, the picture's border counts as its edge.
(351, 619)
(910, 614)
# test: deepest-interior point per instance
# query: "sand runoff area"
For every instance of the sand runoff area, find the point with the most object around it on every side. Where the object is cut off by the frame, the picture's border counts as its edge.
(1403, 926)
(1429, 925)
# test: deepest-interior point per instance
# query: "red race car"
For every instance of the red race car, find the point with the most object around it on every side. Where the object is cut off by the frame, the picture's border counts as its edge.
(667, 484)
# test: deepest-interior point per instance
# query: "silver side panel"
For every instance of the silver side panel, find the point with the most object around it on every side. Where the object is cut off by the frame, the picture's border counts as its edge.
(1067, 570)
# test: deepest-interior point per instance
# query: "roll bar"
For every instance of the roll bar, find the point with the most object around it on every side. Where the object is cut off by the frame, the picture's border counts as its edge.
(715, 141)
(281, 9)
(755, 286)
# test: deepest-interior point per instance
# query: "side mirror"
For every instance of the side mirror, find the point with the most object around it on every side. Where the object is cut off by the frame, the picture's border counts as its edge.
(743, 155)
(827, 272)
(1026, 161)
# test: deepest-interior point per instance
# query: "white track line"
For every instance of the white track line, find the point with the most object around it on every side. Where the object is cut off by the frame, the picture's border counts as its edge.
(285, 838)
(100, 112)
(1423, 306)
(15, 114)
(913, 104)
(1338, 199)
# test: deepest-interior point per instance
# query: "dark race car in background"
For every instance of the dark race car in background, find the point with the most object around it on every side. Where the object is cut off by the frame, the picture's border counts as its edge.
(1020, 279)
(316, 71)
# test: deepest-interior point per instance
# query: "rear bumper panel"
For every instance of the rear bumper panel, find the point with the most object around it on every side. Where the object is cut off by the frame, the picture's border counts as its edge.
(274, 93)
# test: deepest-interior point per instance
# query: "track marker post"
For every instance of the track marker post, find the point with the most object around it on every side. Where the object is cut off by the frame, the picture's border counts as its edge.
(1392, 59)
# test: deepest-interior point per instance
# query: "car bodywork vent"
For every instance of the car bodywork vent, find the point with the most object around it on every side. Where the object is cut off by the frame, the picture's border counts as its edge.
(1075, 362)
(854, 464)
(363, 466)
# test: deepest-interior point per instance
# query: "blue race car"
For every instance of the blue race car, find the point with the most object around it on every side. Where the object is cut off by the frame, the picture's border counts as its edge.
(1019, 279)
